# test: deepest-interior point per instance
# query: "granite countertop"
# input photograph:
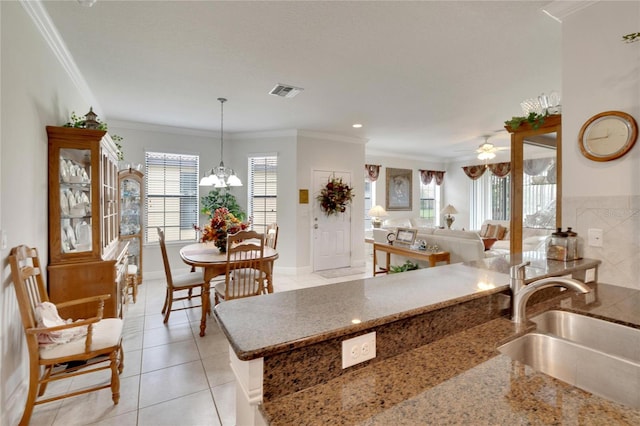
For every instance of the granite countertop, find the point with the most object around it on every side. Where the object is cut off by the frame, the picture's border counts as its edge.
(463, 379)
(273, 323)
(460, 379)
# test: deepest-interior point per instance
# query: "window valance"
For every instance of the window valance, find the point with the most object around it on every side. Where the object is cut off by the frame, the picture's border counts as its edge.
(474, 172)
(499, 169)
(426, 176)
(536, 166)
(372, 172)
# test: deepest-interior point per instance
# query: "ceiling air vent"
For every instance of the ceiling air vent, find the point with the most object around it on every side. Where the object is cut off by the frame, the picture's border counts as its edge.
(285, 91)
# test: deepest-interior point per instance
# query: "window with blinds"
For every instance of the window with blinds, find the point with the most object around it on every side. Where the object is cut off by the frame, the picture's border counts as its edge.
(430, 201)
(263, 191)
(172, 195)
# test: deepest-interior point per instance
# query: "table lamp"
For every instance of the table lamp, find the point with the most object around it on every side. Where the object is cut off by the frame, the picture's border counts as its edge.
(449, 210)
(376, 212)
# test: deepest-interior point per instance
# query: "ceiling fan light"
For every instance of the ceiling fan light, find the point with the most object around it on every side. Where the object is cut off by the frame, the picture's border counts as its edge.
(486, 156)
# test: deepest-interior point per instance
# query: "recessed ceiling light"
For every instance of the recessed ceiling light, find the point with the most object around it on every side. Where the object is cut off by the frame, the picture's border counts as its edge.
(357, 126)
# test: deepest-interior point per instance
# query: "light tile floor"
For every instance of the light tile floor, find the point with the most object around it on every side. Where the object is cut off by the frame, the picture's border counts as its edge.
(172, 376)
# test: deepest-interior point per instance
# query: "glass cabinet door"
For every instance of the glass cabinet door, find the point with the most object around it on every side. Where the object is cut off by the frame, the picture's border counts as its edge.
(75, 200)
(129, 207)
(131, 210)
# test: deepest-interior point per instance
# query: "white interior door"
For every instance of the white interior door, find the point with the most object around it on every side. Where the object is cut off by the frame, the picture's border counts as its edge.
(331, 234)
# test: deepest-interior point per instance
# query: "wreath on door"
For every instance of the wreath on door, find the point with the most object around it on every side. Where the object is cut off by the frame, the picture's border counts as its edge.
(335, 196)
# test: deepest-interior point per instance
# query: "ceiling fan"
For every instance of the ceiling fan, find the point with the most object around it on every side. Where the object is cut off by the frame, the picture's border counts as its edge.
(487, 150)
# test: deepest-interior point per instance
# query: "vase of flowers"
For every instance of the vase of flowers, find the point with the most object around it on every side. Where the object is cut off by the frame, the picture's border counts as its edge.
(335, 196)
(222, 223)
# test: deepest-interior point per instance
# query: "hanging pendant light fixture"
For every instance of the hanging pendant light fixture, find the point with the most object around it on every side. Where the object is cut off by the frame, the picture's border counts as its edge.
(221, 176)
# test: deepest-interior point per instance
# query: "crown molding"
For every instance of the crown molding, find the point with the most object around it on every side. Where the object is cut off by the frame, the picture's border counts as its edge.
(49, 32)
(332, 137)
(560, 9)
(161, 128)
(266, 134)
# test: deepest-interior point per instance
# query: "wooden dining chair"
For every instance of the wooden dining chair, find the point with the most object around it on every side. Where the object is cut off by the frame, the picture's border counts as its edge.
(93, 344)
(180, 283)
(271, 237)
(245, 273)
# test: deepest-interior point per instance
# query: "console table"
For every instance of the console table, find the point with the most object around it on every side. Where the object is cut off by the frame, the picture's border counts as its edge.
(432, 257)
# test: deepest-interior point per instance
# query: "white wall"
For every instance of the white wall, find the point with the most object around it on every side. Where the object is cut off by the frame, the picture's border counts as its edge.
(326, 152)
(284, 145)
(36, 92)
(601, 73)
(139, 138)
(414, 164)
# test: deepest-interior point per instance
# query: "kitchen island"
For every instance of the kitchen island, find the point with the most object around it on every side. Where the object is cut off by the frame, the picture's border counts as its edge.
(437, 333)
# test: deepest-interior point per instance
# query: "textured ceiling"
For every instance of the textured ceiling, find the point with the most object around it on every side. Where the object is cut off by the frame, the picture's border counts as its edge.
(424, 78)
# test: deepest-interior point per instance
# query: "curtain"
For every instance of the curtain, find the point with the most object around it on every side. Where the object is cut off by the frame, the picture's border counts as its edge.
(372, 172)
(474, 172)
(536, 166)
(500, 169)
(426, 176)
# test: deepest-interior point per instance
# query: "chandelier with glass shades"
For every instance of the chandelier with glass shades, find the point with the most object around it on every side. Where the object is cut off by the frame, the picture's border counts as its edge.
(221, 176)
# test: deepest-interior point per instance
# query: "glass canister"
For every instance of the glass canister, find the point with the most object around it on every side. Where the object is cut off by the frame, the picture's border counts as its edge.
(557, 245)
(575, 245)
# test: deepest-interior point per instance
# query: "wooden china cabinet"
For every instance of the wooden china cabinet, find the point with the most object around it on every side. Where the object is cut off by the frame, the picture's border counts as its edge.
(86, 257)
(131, 208)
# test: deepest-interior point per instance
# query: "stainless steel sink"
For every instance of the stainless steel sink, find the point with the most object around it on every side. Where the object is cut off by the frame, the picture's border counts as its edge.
(597, 334)
(591, 356)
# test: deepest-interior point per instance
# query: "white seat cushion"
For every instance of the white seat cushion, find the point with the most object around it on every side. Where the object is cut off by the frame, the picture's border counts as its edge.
(132, 269)
(187, 278)
(258, 275)
(106, 333)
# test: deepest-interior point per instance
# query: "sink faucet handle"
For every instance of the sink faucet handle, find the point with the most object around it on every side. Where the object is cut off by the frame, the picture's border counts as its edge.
(517, 271)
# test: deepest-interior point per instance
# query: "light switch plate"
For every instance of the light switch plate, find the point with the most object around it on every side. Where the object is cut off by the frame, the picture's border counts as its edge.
(595, 237)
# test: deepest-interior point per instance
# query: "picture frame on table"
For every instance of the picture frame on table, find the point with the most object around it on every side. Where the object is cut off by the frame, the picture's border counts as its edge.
(399, 189)
(406, 236)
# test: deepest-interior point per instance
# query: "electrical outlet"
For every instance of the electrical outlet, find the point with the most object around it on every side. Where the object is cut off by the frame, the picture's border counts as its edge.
(358, 349)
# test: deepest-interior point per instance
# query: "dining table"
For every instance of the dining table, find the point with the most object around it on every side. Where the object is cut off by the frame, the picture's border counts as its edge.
(214, 263)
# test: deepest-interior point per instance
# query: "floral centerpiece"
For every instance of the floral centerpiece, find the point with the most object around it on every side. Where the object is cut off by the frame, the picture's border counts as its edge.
(222, 223)
(335, 196)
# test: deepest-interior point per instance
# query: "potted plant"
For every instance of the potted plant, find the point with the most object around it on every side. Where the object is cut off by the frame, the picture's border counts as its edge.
(221, 198)
(90, 121)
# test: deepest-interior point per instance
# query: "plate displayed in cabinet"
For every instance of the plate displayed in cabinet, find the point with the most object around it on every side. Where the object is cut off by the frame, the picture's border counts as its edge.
(64, 203)
(64, 170)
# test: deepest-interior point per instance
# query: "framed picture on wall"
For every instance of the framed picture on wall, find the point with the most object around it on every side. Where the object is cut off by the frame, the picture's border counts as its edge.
(399, 189)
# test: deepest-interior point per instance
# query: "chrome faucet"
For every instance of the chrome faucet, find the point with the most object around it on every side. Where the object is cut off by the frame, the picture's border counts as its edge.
(521, 293)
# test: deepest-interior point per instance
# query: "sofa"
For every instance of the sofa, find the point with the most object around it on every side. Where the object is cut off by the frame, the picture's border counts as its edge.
(462, 245)
(533, 239)
(491, 240)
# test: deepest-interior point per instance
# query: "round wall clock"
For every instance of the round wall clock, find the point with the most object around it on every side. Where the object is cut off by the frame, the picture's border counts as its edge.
(608, 135)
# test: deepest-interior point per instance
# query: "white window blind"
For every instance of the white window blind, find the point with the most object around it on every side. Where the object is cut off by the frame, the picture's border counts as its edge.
(263, 191)
(172, 195)
(430, 202)
(369, 201)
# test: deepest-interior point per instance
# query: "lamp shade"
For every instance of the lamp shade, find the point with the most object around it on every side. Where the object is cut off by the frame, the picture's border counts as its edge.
(449, 209)
(377, 211)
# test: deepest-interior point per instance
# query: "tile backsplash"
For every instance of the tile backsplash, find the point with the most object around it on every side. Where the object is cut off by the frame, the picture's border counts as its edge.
(619, 219)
